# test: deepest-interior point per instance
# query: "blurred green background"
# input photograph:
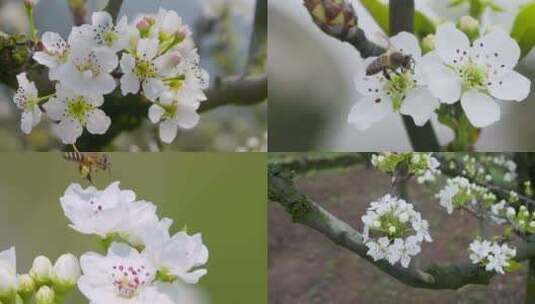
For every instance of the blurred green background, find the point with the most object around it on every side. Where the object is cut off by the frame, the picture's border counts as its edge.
(221, 195)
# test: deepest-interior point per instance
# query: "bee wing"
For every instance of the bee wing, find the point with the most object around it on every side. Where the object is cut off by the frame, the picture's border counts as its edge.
(386, 41)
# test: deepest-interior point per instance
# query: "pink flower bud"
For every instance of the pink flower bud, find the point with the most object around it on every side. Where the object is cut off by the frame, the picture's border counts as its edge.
(30, 2)
(176, 58)
(143, 24)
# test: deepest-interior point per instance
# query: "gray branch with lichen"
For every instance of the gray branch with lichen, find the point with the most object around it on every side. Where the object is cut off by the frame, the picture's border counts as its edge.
(303, 210)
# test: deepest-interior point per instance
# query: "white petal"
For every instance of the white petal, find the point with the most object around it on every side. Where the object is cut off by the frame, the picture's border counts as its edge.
(8, 258)
(98, 122)
(53, 42)
(28, 86)
(186, 115)
(129, 84)
(26, 122)
(452, 45)
(102, 18)
(510, 86)
(497, 46)
(128, 62)
(147, 48)
(480, 109)
(69, 130)
(367, 112)
(45, 59)
(419, 104)
(155, 113)
(153, 88)
(171, 22)
(443, 83)
(55, 109)
(369, 85)
(103, 84)
(105, 59)
(407, 44)
(168, 130)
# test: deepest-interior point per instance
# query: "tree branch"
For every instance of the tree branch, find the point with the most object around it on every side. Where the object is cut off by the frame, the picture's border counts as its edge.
(303, 210)
(302, 164)
(113, 7)
(258, 37)
(243, 91)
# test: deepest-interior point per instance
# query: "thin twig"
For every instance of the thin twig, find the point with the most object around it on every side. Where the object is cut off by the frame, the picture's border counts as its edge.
(113, 7)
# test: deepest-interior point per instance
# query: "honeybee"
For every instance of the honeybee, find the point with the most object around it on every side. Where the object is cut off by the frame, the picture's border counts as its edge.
(390, 61)
(89, 162)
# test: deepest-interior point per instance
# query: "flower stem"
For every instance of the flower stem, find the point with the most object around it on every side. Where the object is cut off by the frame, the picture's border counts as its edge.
(41, 100)
(29, 14)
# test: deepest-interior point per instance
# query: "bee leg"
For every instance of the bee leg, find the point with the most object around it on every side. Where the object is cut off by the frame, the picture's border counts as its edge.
(386, 74)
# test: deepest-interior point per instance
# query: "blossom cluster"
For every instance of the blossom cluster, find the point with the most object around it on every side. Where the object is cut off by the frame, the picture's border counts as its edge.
(41, 283)
(422, 165)
(492, 255)
(394, 231)
(154, 56)
(459, 191)
(522, 220)
(144, 263)
(476, 74)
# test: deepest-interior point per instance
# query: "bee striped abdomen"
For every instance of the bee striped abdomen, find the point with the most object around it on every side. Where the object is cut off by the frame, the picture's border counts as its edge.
(378, 65)
(73, 156)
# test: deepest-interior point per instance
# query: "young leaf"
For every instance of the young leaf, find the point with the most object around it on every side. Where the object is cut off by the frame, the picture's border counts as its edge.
(524, 29)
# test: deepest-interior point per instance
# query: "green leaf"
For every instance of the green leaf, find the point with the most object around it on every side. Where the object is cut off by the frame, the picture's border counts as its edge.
(379, 12)
(513, 266)
(422, 24)
(524, 29)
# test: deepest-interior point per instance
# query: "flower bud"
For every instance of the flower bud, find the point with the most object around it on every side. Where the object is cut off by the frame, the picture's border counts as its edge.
(510, 212)
(428, 43)
(41, 269)
(25, 284)
(470, 26)
(332, 16)
(66, 271)
(392, 229)
(8, 275)
(45, 295)
(30, 2)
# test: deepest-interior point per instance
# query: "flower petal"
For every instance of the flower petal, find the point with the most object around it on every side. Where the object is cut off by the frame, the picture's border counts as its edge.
(98, 122)
(105, 59)
(168, 130)
(102, 18)
(186, 115)
(452, 45)
(443, 83)
(53, 42)
(153, 88)
(147, 48)
(129, 84)
(498, 47)
(419, 104)
(510, 86)
(128, 63)
(407, 44)
(69, 130)
(367, 112)
(55, 109)
(155, 113)
(480, 109)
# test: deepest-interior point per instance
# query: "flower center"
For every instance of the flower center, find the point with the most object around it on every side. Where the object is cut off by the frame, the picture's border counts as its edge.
(128, 279)
(89, 64)
(145, 69)
(78, 109)
(397, 87)
(472, 75)
(170, 111)
(392, 226)
(109, 37)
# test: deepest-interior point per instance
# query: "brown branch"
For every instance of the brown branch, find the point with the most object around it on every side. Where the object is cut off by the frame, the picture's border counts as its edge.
(113, 7)
(235, 90)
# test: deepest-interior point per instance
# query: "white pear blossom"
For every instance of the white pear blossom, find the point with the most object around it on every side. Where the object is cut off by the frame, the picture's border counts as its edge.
(145, 70)
(26, 98)
(55, 54)
(8, 272)
(88, 70)
(491, 255)
(180, 255)
(403, 92)
(172, 115)
(477, 74)
(122, 276)
(396, 229)
(76, 112)
(102, 32)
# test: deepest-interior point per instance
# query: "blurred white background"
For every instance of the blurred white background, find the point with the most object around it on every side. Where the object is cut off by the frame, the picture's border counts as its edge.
(311, 87)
